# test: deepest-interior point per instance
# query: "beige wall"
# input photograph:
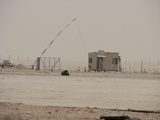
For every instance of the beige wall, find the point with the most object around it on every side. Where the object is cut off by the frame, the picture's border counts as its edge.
(108, 61)
(94, 60)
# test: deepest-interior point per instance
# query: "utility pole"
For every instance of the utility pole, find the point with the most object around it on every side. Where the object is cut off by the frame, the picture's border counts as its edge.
(142, 65)
(9, 58)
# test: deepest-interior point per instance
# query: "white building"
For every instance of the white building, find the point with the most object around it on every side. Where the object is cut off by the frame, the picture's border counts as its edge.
(104, 61)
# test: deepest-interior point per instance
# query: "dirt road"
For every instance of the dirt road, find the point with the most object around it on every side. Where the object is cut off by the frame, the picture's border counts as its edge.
(80, 96)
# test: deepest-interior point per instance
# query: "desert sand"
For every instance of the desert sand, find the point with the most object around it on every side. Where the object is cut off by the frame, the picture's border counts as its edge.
(38, 95)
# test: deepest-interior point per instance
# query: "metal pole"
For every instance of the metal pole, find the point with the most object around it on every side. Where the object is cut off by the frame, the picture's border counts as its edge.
(44, 64)
(134, 65)
(142, 65)
(54, 63)
(38, 63)
(9, 58)
(59, 63)
(99, 64)
(109, 65)
(49, 63)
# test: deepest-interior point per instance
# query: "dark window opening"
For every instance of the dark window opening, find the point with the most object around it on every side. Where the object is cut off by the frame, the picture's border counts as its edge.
(90, 60)
(116, 61)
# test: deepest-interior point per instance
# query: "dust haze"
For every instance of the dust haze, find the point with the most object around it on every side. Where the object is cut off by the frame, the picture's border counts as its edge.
(131, 28)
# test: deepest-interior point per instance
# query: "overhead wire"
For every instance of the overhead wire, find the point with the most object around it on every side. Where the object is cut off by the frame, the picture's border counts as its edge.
(81, 37)
(74, 20)
(55, 38)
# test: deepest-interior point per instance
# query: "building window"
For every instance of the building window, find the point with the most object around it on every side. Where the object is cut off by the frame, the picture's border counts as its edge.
(115, 61)
(90, 60)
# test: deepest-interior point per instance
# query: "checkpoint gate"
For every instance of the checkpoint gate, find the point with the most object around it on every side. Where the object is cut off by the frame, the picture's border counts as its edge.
(48, 63)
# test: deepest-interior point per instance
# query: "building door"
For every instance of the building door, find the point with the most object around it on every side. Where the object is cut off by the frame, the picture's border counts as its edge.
(100, 65)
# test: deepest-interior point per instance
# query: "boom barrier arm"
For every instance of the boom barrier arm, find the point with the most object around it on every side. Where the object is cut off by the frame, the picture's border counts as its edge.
(55, 38)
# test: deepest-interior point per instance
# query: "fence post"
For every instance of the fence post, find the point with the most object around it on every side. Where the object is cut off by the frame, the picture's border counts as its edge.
(134, 65)
(54, 63)
(49, 63)
(44, 63)
(59, 63)
(38, 63)
(142, 65)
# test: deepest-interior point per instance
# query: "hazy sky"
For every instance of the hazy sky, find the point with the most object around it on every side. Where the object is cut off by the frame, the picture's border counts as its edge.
(130, 27)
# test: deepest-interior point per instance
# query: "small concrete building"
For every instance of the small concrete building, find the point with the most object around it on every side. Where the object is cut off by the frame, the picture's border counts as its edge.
(104, 61)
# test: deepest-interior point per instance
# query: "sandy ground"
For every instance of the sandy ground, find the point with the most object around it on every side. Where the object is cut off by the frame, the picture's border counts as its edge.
(19, 111)
(79, 96)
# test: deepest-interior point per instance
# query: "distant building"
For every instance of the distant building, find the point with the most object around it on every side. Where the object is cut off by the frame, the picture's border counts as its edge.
(104, 61)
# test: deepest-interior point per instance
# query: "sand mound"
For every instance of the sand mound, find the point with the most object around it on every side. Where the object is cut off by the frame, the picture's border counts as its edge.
(20, 66)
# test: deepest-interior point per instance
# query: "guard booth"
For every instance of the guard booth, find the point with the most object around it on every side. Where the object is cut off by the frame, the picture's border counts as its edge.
(104, 61)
